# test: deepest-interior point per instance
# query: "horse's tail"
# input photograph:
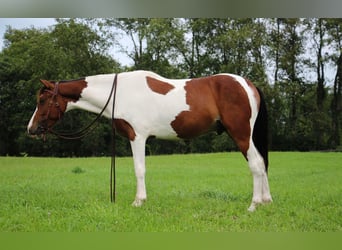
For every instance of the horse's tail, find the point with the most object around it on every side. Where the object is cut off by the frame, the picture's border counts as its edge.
(260, 131)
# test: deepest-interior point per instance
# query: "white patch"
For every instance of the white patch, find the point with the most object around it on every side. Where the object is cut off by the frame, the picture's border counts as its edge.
(148, 112)
(29, 126)
(95, 95)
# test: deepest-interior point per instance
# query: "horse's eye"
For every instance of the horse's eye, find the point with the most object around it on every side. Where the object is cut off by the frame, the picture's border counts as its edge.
(41, 101)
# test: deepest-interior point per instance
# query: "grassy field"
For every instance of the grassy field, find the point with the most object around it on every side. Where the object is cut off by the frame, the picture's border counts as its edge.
(204, 192)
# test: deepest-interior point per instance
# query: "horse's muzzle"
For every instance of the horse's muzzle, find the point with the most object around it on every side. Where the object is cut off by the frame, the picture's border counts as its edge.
(35, 131)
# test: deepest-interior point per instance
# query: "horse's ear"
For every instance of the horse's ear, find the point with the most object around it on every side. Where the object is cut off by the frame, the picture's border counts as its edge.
(47, 84)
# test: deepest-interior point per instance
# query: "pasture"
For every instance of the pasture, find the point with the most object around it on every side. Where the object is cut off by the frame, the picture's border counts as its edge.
(191, 193)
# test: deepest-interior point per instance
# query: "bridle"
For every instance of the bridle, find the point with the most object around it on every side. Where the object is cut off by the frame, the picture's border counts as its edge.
(91, 126)
(53, 101)
(86, 130)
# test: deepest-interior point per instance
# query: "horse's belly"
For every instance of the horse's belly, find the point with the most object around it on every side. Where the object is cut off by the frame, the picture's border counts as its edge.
(163, 130)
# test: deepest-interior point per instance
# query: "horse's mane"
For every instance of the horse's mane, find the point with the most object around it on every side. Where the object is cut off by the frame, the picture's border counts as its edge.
(72, 80)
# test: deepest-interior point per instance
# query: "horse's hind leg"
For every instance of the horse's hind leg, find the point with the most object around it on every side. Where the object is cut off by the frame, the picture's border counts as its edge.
(239, 130)
(261, 190)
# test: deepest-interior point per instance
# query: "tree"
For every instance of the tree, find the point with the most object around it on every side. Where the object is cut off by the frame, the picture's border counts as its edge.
(317, 40)
(335, 31)
(153, 41)
(286, 47)
(68, 50)
(287, 58)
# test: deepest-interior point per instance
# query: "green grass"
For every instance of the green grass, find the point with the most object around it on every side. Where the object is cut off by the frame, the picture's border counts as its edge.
(204, 192)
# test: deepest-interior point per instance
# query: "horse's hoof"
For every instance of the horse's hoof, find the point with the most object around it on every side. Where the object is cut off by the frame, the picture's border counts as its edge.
(266, 200)
(252, 208)
(138, 203)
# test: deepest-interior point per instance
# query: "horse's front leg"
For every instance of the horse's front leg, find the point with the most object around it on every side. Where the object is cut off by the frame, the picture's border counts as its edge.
(138, 150)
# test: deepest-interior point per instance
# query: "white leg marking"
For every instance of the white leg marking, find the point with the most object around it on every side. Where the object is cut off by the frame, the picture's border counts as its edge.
(266, 194)
(261, 191)
(138, 149)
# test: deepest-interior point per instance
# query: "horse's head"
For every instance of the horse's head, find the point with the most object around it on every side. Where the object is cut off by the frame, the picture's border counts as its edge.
(51, 106)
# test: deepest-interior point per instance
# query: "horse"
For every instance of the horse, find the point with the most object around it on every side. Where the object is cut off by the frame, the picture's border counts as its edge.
(149, 105)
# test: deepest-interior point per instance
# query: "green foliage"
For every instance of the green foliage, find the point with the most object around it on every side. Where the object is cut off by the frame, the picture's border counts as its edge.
(68, 50)
(192, 193)
(304, 114)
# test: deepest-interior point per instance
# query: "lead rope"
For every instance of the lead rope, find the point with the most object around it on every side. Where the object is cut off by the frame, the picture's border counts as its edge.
(112, 169)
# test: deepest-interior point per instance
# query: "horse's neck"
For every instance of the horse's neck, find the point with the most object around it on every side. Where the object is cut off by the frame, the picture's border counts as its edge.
(94, 96)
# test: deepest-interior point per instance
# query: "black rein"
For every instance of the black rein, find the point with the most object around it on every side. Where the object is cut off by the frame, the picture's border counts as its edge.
(89, 128)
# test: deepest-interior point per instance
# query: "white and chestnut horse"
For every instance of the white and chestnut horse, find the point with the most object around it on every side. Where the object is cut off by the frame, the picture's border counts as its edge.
(147, 104)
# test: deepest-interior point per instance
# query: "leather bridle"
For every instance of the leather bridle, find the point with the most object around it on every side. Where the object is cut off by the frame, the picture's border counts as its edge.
(91, 126)
(43, 125)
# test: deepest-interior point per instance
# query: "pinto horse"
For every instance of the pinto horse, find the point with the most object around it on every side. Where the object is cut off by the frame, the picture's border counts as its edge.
(147, 105)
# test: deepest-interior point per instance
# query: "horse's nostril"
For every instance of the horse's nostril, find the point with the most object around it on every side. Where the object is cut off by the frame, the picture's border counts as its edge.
(31, 131)
(35, 130)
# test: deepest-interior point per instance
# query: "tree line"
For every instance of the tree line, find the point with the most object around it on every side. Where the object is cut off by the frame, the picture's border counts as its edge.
(296, 62)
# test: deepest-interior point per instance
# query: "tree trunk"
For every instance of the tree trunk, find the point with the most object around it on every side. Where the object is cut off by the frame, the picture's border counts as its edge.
(277, 52)
(336, 105)
(320, 93)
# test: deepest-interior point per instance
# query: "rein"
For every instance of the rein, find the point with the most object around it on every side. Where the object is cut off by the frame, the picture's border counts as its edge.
(88, 129)
(112, 168)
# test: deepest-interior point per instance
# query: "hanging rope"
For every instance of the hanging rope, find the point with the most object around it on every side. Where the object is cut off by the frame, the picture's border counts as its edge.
(112, 169)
